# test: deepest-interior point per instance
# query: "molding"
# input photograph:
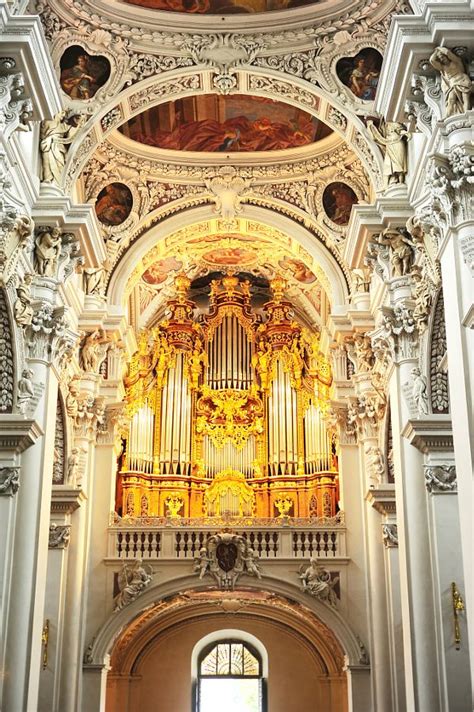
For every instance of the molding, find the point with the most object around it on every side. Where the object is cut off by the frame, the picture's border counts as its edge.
(22, 39)
(17, 434)
(382, 498)
(65, 500)
(431, 433)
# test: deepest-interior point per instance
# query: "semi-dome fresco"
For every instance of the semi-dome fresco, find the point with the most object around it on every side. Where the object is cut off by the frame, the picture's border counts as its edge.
(217, 123)
(220, 7)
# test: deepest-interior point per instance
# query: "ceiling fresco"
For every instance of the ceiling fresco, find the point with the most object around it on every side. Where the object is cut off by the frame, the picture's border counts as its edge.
(217, 123)
(220, 7)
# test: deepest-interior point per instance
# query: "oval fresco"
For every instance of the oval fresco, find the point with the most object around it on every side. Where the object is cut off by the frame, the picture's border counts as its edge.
(221, 7)
(114, 204)
(81, 74)
(361, 73)
(217, 123)
(338, 199)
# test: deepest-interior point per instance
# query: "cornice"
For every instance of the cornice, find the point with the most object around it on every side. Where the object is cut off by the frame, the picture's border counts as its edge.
(382, 498)
(431, 433)
(22, 39)
(17, 433)
(65, 499)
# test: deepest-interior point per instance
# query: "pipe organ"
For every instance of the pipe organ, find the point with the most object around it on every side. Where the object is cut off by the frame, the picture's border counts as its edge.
(226, 412)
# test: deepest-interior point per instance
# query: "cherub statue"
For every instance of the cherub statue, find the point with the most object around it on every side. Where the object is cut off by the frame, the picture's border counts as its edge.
(392, 137)
(197, 359)
(261, 362)
(132, 580)
(455, 82)
(202, 563)
(250, 561)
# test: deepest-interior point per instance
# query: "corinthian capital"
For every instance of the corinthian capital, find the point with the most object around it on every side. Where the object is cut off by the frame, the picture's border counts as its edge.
(49, 337)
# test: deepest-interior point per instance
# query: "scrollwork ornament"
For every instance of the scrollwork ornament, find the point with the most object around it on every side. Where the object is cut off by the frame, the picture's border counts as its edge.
(9, 481)
(390, 535)
(440, 478)
(59, 535)
(226, 557)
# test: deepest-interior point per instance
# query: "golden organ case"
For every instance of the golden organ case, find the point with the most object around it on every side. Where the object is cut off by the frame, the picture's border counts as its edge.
(226, 412)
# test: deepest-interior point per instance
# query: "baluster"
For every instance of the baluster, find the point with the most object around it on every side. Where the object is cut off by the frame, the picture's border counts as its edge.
(178, 543)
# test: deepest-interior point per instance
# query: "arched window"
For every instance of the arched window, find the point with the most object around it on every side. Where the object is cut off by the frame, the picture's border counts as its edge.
(230, 678)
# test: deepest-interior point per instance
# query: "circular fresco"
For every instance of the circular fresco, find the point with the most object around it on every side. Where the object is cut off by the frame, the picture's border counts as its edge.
(114, 204)
(338, 199)
(81, 74)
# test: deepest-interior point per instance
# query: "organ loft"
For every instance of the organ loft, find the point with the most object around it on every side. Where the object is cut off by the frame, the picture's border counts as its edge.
(227, 408)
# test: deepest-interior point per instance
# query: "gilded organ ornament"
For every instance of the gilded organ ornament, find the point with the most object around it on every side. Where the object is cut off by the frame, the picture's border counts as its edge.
(226, 405)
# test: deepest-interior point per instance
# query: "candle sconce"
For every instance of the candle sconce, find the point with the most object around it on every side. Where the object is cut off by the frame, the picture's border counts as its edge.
(458, 607)
(45, 641)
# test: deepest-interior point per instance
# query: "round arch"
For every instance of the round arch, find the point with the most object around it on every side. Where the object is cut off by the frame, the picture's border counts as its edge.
(222, 634)
(258, 81)
(142, 613)
(337, 286)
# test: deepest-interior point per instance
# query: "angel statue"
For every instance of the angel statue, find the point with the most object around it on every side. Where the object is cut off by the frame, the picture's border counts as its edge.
(318, 582)
(132, 580)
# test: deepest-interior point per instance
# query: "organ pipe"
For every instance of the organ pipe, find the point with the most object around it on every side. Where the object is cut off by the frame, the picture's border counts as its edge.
(231, 398)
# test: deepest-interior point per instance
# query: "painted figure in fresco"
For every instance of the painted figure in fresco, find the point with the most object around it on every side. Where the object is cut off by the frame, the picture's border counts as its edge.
(221, 7)
(361, 73)
(338, 199)
(77, 81)
(82, 75)
(225, 124)
(298, 270)
(113, 204)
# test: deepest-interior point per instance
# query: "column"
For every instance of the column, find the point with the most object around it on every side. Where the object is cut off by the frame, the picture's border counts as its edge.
(416, 576)
(28, 582)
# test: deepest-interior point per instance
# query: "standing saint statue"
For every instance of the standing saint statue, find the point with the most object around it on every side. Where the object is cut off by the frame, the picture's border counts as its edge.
(392, 136)
(55, 137)
(456, 84)
(47, 250)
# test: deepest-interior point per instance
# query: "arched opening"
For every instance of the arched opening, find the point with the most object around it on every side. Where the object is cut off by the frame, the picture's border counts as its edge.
(230, 673)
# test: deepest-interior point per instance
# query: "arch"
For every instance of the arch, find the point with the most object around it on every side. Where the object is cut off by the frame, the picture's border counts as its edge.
(257, 81)
(156, 599)
(338, 291)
